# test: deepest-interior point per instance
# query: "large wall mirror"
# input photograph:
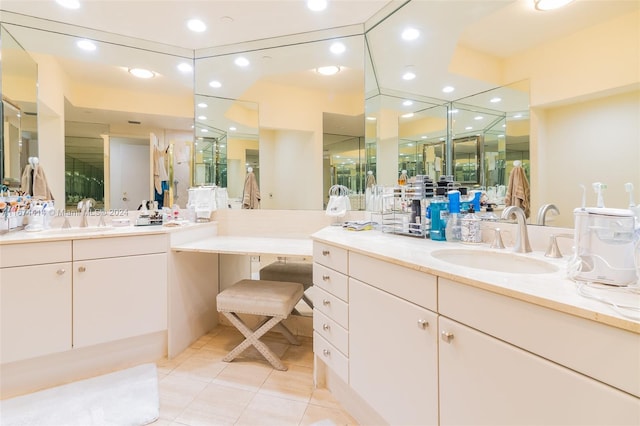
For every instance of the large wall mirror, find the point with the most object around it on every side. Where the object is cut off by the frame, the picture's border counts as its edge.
(567, 120)
(19, 136)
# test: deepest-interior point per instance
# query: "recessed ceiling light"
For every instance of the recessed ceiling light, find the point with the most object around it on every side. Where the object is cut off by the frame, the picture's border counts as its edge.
(87, 45)
(185, 67)
(468, 128)
(424, 137)
(328, 70)
(550, 4)
(371, 118)
(69, 4)
(317, 5)
(410, 34)
(337, 48)
(215, 84)
(204, 130)
(407, 103)
(202, 105)
(196, 25)
(453, 111)
(408, 76)
(407, 115)
(233, 129)
(517, 116)
(241, 61)
(448, 89)
(202, 117)
(478, 117)
(495, 100)
(141, 72)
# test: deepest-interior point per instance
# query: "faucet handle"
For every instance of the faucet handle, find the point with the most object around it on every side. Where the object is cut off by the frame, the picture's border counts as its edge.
(553, 250)
(497, 240)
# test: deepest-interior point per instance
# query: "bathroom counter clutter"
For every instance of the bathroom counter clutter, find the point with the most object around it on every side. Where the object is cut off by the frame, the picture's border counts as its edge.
(551, 290)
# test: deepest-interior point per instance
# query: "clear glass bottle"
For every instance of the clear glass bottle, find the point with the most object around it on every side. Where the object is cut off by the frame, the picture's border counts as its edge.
(470, 227)
(453, 230)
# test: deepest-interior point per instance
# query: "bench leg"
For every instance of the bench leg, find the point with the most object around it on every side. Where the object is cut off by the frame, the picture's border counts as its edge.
(287, 333)
(252, 338)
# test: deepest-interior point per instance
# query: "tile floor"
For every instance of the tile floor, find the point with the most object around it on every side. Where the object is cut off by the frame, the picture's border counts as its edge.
(198, 389)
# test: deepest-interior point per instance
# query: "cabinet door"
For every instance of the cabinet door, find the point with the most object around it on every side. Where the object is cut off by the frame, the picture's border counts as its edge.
(485, 381)
(118, 297)
(35, 311)
(393, 351)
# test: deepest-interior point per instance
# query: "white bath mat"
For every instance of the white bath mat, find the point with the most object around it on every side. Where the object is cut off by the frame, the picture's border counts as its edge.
(127, 397)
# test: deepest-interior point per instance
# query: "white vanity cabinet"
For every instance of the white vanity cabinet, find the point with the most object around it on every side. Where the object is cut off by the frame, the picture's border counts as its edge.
(35, 300)
(330, 308)
(119, 288)
(393, 340)
(492, 371)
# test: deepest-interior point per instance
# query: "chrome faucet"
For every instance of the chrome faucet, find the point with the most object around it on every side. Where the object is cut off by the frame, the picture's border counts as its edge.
(542, 213)
(522, 236)
(85, 206)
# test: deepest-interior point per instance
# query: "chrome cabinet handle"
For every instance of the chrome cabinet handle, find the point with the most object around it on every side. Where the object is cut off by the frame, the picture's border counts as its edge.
(446, 336)
(326, 327)
(423, 323)
(326, 302)
(326, 352)
(325, 252)
(82, 269)
(61, 271)
(326, 278)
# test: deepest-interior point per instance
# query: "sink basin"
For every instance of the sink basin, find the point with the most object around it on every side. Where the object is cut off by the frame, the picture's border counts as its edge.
(494, 261)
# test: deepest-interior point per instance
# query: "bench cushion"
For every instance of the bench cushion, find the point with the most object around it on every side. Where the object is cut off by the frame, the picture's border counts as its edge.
(297, 272)
(260, 297)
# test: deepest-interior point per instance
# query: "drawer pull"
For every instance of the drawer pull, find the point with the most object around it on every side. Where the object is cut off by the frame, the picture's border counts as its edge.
(82, 269)
(446, 336)
(326, 327)
(326, 278)
(326, 252)
(423, 323)
(326, 302)
(61, 271)
(326, 352)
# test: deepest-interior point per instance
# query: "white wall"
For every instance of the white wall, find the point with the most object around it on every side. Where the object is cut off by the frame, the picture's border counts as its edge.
(130, 168)
(593, 141)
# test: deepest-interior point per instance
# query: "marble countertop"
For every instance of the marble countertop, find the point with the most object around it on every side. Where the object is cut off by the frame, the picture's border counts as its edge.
(551, 290)
(58, 234)
(251, 246)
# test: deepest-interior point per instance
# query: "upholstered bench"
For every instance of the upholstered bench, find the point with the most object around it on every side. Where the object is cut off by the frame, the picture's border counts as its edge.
(297, 272)
(273, 299)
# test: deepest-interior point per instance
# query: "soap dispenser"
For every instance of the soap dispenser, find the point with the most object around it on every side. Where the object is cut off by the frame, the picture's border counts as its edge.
(470, 227)
(453, 229)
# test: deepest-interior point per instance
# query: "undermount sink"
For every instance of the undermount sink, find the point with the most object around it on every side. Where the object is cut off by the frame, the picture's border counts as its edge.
(494, 261)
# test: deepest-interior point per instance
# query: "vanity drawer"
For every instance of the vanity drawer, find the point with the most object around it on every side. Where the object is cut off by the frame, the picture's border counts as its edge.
(34, 253)
(119, 246)
(332, 307)
(330, 256)
(332, 281)
(331, 357)
(331, 331)
(606, 353)
(414, 286)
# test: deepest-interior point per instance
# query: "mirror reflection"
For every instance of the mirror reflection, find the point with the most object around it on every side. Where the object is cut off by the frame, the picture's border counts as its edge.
(19, 137)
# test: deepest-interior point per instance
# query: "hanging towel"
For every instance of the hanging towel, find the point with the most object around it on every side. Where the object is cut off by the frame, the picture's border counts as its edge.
(159, 170)
(34, 182)
(371, 180)
(251, 193)
(518, 193)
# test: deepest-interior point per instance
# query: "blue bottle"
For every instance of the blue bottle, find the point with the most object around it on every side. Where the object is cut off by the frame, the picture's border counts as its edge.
(438, 212)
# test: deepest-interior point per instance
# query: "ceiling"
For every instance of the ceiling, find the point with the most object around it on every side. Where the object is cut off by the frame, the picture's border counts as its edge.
(499, 28)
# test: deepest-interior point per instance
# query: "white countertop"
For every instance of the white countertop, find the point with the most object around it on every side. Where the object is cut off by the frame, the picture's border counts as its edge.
(551, 290)
(58, 234)
(252, 246)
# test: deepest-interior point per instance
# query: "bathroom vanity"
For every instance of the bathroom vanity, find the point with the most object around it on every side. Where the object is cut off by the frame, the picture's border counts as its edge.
(402, 337)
